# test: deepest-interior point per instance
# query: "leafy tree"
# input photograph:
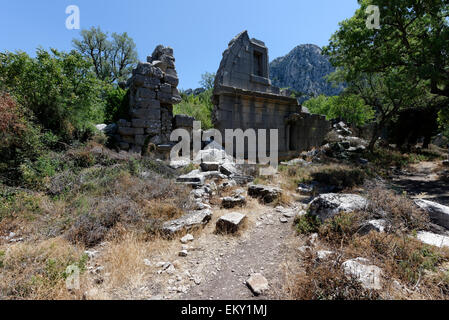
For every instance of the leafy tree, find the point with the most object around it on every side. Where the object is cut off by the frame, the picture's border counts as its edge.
(113, 59)
(117, 103)
(349, 108)
(387, 93)
(60, 89)
(200, 107)
(414, 36)
(207, 80)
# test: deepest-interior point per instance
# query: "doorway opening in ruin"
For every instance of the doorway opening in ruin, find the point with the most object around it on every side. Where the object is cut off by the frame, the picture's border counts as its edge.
(258, 66)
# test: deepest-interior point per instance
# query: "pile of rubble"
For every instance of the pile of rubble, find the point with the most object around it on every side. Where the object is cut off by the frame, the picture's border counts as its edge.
(153, 92)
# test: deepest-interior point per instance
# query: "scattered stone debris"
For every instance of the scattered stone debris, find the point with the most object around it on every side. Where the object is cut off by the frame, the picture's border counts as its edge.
(153, 92)
(258, 284)
(266, 193)
(194, 178)
(187, 238)
(433, 239)
(183, 253)
(187, 222)
(232, 202)
(210, 166)
(373, 225)
(230, 223)
(305, 189)
(323, 255)
(368, 275)
(166, 267)
(296, 162)
(328, 205)
(438, 213)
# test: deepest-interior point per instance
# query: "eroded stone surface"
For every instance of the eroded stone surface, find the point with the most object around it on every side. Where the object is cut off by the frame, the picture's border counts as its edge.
(433, 239)
(438, 213)
(187, 222)
(230, 223)
(258, 284)
(370, 276)
(328, 205)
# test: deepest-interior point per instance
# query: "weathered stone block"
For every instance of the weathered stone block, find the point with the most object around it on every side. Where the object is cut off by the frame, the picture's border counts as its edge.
(266, 193)
(171, 72)
(145, 94)
(183, 121)
(172, 80)
(258, 284)
(148, 104)
(146, 114)
(165, 87)
(187, 222)
(140, 123)
(147, 69)
(160, 64)
(210, 166)
(232, 202)
(140, 139)
(123, 123)
(123, 146)
(230, 223)
(146, 82)
(128, 131)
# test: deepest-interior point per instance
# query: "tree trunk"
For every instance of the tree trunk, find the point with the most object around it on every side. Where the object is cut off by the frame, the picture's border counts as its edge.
(374, 137)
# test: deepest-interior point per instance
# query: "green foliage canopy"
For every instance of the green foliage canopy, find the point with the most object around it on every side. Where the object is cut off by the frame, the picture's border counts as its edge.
(349, 108)
(60, 89)
(113, 59)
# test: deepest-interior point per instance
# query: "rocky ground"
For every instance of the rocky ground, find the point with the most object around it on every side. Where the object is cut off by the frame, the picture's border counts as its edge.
(331, 224)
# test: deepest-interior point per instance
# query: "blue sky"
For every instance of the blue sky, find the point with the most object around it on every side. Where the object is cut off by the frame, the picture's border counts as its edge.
(198, 30)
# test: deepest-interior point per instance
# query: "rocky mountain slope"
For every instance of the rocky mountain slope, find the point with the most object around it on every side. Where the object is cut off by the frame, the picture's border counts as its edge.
(304, 70)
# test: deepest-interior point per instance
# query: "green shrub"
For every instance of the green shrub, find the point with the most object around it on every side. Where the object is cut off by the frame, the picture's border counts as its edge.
(307, 224)
(60, 89)
(349, 108)
(200, 107)
(117, 104)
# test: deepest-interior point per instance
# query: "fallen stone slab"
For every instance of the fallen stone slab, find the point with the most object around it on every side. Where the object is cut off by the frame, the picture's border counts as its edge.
(438, 213)
(228, 169)
(232, 202)
(230, 223)
(193, 178)
(187, 238)
(266, 193)
(305, 189)
(323, 255)
(210, 166)
(373, 225)
(433, 239)
(328, 205)
(179, 163)
(258, 284)
(369, 276)
(187, 222)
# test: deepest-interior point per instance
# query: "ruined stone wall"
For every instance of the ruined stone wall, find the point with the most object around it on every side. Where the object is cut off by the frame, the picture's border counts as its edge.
(153, 92)
(245, 99)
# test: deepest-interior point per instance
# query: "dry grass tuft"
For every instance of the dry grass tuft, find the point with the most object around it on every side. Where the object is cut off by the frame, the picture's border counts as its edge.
(37, 271)
(326, 281)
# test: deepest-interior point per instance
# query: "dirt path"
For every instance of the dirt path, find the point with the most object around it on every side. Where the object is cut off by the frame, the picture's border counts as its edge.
(424, 180)
(263, 249)
(218, 266)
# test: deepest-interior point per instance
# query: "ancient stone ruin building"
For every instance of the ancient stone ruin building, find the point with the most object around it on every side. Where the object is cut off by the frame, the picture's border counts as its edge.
(153, 92)
(244, 98)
